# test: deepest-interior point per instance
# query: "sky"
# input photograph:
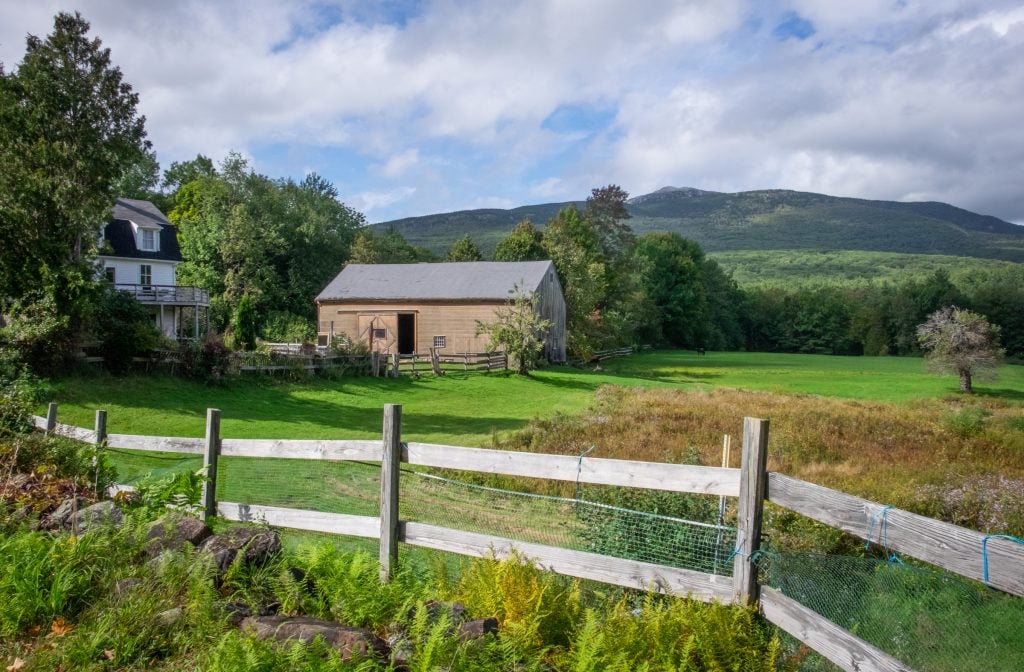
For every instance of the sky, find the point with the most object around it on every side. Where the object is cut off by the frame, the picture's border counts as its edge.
(414, 108)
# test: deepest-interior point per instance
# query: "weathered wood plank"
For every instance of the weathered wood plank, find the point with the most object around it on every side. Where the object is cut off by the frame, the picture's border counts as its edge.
(159, 444)
(298, 519)
(628, 473)
(583, 565)
(100, 431)
(390, 468)
(50, 424)
(945, 545)
(303, 449)
(750, 509)
(840, 646)
(212, 452)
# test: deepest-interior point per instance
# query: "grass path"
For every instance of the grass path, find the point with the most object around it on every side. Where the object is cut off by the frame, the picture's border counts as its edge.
(467, 409)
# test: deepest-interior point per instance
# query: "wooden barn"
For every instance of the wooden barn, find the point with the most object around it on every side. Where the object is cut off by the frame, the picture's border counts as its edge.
(410, 308)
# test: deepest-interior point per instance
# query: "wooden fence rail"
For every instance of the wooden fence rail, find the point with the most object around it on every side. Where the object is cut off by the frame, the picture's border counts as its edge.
(943, 544)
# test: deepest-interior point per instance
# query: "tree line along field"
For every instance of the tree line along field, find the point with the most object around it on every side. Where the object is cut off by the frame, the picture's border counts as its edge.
(773, 268)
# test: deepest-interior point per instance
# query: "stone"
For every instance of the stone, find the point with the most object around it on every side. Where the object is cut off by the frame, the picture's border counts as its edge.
(173, 532)
(401, 651)
(61, 516)
(170, 618)
(478, 628)
(101, 513)
(348, 641)
(255, 544)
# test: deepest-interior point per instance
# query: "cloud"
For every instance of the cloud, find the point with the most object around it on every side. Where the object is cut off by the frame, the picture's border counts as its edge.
(469, 101)
(399, 164)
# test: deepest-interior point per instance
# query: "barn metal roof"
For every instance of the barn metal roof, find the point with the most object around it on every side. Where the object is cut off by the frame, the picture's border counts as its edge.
(465, 280)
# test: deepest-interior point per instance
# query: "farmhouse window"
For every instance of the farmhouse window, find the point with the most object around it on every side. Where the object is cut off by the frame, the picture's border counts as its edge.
(380, 334)
(111, 274)
(148, 239)
(145, 274)
(439, 342)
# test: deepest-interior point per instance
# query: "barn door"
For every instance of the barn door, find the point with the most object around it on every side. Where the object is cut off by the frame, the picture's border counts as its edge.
(406, 333)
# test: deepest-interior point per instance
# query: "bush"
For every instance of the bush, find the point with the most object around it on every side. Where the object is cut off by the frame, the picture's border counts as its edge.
(284, 327)
(208, 360)
(42, 337)
(123, 328)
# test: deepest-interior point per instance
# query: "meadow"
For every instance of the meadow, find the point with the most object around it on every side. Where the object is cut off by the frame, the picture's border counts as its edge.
(473, 409)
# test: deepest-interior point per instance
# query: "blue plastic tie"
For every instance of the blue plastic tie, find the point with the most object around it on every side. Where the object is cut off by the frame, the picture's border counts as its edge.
(881, 528)
(984, 551)
(734, 553)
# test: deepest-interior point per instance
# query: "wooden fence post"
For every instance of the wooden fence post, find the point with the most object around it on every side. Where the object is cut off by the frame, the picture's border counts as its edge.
(210, 463)
(391, 461)
(750, 509)
(51, 418)
(101, 427)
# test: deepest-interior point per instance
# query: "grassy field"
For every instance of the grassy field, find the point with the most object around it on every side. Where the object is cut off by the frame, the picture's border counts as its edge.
(469, 409)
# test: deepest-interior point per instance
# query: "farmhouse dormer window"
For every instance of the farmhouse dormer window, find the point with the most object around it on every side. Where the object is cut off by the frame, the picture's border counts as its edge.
(148, 239)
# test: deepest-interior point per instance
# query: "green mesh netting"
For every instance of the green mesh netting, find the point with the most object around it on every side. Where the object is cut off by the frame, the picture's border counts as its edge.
(927, 618)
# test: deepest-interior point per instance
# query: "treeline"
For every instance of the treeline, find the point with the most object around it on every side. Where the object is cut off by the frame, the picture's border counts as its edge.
(878, 319)
(274, 242)
(661, 289)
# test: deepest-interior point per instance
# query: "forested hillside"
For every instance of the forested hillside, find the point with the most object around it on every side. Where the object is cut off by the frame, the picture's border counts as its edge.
(759, 220)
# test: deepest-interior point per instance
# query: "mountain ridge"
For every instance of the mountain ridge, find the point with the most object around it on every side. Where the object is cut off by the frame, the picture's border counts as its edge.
(758, 220)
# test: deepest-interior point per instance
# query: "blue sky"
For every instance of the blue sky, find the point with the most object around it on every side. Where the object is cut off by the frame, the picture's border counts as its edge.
(413, 108)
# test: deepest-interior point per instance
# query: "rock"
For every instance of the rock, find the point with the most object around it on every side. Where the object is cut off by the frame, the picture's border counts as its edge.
(256, 546)
(173, 532)
(170, 618)
(61, 516)
(401, 651)
(101, 513)
(125, 587)
(237, 612)
(478, 628)
(349, 642)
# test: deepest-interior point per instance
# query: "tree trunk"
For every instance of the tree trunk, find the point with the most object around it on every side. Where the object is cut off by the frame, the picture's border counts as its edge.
(965, 381)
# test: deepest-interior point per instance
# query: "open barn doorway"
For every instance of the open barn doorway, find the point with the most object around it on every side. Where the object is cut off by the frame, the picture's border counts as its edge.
(406, 333)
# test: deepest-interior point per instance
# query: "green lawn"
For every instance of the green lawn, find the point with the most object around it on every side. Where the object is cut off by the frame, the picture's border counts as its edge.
(466, 409)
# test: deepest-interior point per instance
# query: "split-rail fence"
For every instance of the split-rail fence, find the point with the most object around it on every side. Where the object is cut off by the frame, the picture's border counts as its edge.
(993, 559)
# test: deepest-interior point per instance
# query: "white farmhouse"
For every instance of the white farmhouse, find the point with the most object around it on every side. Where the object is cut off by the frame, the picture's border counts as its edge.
(140, 255)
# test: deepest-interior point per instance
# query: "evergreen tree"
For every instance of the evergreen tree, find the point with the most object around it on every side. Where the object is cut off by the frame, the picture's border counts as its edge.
(68, 130)
(464, 249)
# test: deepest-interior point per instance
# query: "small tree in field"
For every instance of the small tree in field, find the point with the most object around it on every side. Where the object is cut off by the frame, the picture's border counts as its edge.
(519, 330)
(962, 342)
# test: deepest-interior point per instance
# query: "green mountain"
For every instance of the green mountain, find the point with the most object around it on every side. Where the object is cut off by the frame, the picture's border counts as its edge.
(773, 219)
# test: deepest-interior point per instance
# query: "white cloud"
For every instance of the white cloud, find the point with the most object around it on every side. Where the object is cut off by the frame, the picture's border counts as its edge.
(368, 201)
(887, 98)
(399, 164)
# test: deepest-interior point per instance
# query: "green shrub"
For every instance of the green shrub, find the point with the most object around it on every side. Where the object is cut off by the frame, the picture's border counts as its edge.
(124, 329)
(284, 327)
(967, 422)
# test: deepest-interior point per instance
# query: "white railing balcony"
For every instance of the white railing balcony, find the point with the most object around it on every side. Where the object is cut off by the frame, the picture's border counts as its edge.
(167, 294)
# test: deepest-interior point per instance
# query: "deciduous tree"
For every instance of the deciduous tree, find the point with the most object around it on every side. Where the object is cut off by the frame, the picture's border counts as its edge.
(962, 342)
(518, 330)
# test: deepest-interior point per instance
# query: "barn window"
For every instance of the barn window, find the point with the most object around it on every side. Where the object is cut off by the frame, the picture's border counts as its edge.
(439, 342)
(380, 334)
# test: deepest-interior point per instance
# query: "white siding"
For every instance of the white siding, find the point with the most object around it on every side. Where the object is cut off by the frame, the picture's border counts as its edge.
(126, 271)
